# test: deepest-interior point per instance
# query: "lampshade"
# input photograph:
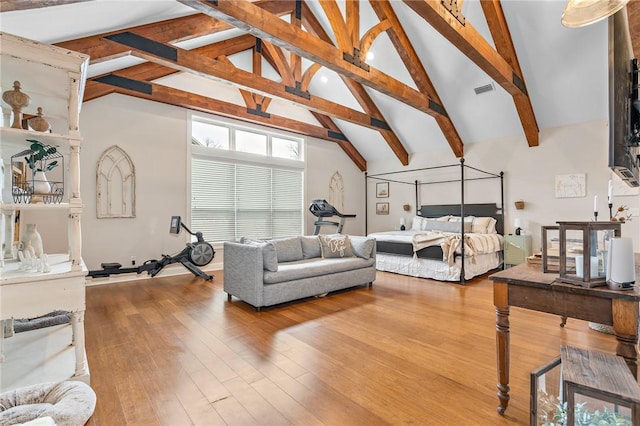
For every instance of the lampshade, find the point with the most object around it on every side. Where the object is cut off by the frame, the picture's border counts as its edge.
(578, 13)
(517, 223)
(621, 270)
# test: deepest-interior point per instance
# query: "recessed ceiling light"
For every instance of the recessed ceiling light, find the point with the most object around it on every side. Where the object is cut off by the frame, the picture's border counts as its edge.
(370, 56)
(324, 78)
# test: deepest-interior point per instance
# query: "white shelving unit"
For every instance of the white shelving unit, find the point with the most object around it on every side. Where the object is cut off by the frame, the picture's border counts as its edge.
(54, 79)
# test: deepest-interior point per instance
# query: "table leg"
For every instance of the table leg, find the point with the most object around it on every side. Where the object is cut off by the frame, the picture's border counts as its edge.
(625, 327)
(501, 302)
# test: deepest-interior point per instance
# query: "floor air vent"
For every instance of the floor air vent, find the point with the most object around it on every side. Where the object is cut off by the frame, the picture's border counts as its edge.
(483, 89)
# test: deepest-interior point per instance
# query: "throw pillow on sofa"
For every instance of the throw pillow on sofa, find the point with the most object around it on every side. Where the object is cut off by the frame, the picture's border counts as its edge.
(335, 245)
(288, 249)
(362, 247)
(310, 247)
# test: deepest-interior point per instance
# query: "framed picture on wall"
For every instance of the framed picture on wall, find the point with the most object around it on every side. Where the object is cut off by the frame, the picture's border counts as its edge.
(382, 190)
(382, 208)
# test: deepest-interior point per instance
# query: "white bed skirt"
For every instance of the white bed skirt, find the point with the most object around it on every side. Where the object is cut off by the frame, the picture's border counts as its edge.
(435, 269)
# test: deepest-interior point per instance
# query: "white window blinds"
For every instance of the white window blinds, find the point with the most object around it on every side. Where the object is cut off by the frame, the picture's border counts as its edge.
(229, 201)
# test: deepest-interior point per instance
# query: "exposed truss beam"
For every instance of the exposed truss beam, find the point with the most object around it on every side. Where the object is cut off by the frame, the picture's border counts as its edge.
(411, 60)
(168, 31)
(358, 91)
(246, 16)
(171, 96)
(194, 63)
(504, 45)
(11, 5)
(470, 42)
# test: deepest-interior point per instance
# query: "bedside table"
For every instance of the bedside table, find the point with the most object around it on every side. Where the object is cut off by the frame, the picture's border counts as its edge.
(516, 249)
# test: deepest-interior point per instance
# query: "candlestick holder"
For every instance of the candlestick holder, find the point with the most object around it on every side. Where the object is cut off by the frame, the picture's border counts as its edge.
(610, 211)
(595, 216)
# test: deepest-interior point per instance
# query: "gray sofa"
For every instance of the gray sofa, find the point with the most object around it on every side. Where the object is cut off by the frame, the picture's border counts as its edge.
(266, 273)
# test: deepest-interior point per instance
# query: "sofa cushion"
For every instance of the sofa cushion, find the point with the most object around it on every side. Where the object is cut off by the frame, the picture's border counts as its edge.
(291, 271)
(335, 245)
(362, 247)
(310, 247)
(269, 254)
(288, 249)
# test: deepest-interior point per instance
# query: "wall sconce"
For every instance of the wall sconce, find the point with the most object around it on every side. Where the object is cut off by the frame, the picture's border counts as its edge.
(519, 205)
(406, 207)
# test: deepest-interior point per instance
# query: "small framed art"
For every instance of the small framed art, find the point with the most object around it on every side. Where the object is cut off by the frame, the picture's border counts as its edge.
(382, 190)
(382, 208)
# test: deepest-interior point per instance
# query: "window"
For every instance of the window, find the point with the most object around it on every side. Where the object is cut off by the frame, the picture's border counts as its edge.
(229, 201)
(210, 135)
(249, 185)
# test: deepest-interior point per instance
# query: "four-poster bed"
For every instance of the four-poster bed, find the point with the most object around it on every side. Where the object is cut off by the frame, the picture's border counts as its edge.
(431, 246)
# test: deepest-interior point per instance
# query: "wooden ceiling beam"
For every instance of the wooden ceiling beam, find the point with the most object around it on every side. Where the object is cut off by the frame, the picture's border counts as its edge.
(358, 91)
(191, 62)
(168, 31)
(349, 149)
(411, 60)
(12, 5)
(504, 45)
(150, 71)
(470, 42)
(267, 26)
(176, 97)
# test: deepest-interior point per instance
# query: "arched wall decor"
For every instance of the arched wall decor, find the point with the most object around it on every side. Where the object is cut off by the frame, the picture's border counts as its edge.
(115, 184)
(336, 191)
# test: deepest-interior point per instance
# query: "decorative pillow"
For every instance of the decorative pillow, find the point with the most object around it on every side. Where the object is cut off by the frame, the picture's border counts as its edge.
(417, 223)
(491, 228)
(310, 247)
(335, 245)
(457, 218)
(269, 254)
(480, 225)
(362, 247)
(444, 218)
(437, 225)
(288, 249)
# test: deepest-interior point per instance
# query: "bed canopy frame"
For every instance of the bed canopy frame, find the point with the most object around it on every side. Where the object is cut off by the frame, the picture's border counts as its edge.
(462, 209)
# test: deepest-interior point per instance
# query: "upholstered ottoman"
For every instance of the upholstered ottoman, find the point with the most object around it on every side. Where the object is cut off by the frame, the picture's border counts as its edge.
(68, 403)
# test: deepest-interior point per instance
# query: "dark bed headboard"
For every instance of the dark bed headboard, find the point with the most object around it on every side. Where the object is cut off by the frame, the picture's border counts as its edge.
(488, 209)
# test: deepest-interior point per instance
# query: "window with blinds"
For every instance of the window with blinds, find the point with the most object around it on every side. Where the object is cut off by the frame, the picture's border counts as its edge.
(229, 201)
(245, 182)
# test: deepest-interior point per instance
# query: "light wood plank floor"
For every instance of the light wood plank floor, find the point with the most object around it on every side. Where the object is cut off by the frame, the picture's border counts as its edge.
(173, 351)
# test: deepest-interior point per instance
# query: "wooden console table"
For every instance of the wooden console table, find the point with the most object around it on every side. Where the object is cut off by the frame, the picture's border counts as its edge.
(526, 286)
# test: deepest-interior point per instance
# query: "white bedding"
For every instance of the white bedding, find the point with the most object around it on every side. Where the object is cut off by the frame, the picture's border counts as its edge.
(482, 253)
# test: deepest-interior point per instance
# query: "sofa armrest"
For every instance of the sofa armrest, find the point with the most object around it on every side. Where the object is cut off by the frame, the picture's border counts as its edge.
(244, 272)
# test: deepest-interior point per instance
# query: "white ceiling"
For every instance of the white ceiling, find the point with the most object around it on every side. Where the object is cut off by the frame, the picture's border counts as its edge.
(565, 69)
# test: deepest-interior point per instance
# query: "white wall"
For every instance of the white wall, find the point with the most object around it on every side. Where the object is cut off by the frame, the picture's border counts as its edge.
(529, 176)
(155, 137)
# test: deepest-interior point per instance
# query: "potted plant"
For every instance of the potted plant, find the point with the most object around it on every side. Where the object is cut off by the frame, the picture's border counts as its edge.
(41, 160)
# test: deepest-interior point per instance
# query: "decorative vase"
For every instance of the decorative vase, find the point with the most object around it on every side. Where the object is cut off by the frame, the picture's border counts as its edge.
(17, 100)
(39, 123)
(40, 183)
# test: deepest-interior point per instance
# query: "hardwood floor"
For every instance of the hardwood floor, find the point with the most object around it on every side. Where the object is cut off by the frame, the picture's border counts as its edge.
(173, 351)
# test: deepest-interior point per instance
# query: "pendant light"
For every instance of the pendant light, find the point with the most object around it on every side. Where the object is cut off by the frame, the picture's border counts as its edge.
(578, 13)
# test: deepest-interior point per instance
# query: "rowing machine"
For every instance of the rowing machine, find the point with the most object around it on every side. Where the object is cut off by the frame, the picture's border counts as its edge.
(195, 254)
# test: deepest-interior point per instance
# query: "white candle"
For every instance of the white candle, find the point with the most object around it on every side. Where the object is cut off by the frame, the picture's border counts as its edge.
(595, 203)
(609, 193)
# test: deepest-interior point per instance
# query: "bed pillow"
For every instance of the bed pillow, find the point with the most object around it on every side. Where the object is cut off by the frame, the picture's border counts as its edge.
(417, 223)
(445, 218)
(310, 247)
(438, 225)
(288, 249)
(335, 245)
(491, 228)
(269, 255)
(480, 225)
(457, 218)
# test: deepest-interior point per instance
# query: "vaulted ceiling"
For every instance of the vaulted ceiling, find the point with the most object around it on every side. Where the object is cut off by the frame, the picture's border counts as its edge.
(414, 94)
